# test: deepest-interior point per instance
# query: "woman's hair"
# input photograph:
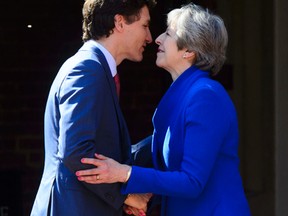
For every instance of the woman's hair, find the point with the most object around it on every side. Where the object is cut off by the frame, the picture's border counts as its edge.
(200, 31)
(98, 15)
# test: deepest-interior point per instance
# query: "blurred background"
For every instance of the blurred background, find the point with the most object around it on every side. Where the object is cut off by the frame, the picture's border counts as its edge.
(36, 37)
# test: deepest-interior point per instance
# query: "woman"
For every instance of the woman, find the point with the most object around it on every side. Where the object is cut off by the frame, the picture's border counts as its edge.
(195, 139)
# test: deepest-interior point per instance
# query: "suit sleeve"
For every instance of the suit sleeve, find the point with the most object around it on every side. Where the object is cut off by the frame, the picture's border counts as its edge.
(205, 127)
(83, 132)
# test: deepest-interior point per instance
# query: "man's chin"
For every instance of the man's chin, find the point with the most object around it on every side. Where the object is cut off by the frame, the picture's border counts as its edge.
(136, 59)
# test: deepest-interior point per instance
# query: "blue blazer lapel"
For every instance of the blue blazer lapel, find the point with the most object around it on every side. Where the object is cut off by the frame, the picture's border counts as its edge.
(125, 137)
(104, 63)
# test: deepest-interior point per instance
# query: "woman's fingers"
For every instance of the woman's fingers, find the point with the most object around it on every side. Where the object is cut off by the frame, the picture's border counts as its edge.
(88, 172)
(91, 161)
(90, 179)
(106, 170)
(100, 157)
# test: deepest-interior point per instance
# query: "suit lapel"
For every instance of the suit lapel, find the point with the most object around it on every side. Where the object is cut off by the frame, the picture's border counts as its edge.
(124, 135)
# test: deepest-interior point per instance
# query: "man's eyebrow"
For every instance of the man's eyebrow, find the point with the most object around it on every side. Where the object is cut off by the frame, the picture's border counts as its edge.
(148, 22)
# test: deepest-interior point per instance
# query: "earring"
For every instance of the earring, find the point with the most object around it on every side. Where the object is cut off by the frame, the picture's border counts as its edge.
(184, 56)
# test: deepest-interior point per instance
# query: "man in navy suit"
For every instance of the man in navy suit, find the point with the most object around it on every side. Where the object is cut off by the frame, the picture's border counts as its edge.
(83, 116)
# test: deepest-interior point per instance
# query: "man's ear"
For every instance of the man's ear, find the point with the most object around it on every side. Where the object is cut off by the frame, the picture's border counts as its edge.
(119, 22)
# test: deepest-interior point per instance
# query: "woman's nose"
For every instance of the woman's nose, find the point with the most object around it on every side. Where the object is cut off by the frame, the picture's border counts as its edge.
(158, 39)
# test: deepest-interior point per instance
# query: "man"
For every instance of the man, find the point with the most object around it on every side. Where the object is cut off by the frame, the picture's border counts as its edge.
(83, 116)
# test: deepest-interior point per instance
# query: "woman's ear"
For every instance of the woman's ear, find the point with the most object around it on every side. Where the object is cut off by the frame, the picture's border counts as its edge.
(189, 55)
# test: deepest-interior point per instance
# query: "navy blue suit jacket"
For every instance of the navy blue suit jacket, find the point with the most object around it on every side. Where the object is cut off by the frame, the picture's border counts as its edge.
(82, 117)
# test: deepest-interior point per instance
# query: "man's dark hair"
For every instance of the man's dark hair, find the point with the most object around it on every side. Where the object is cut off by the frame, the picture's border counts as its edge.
(98, 15)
